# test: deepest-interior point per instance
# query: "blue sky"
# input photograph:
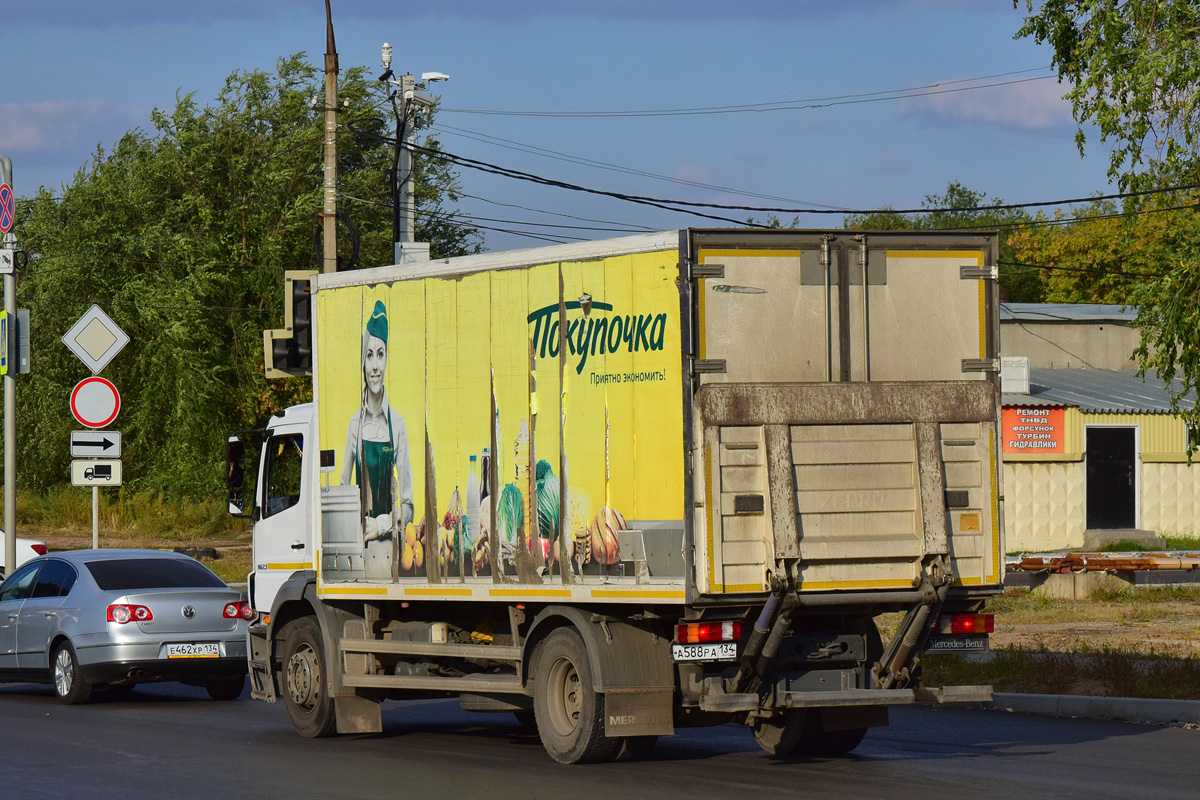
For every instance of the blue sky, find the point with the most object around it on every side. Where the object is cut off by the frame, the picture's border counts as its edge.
(79, 73)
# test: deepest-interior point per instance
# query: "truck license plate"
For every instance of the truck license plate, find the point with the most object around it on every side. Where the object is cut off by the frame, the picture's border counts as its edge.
(957, 644)
(194, 650)
(720, 651)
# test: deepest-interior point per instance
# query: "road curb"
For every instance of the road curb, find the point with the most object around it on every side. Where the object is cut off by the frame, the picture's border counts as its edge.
(1129, 709)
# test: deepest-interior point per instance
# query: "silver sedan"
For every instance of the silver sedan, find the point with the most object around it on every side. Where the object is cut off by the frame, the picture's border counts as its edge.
(88, 618)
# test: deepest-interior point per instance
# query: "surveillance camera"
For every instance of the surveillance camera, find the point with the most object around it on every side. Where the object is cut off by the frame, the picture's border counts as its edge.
(434, 76)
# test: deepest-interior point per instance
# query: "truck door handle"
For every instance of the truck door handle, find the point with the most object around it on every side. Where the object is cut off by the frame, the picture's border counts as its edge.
(298, 546)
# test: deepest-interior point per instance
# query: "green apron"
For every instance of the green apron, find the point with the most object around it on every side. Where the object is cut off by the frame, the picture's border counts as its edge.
(378, 459)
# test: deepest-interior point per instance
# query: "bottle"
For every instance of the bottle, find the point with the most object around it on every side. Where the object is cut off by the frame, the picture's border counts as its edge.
(521, 479)
(472, 503)
(485, 476)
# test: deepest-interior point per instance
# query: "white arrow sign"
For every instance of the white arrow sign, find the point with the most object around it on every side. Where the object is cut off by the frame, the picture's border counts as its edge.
(95, 444)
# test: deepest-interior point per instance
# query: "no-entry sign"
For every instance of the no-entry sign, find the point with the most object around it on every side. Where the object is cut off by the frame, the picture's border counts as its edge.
(95, 402)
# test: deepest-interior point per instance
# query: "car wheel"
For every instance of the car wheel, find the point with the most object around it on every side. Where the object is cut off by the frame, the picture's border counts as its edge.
(781, 734)
(569, 712)
(225, 688)
(305, 695)
(69, 683)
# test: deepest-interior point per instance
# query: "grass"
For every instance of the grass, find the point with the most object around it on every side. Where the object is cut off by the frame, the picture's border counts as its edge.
(1104, 671)
(1123, 642)
(138, 520)
(63, 519)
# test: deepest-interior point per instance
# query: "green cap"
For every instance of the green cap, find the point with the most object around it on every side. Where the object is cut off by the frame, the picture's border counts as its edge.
(377, 325)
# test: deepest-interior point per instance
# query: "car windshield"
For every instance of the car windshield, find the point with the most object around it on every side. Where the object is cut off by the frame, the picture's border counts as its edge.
(127, 574)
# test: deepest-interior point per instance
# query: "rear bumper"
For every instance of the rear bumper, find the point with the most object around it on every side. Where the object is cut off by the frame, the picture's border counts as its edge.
(186, 670)
(145, 661)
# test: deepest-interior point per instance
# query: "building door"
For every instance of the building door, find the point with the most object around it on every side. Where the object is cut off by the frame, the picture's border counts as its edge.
(1111, 478)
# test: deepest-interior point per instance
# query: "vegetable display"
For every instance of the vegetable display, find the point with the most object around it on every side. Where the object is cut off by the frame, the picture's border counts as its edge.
(605, 546)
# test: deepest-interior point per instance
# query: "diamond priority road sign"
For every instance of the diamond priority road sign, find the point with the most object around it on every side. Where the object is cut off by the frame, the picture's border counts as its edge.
(95, 339)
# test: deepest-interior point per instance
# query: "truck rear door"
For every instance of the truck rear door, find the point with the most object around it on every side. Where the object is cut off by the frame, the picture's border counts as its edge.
(846, 408)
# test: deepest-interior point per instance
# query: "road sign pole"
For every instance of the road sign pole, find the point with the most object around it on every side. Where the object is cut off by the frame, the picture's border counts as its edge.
(10, 398)
(95, 517)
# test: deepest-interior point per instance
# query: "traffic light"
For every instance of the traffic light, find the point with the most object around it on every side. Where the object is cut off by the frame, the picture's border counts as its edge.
(287, 352)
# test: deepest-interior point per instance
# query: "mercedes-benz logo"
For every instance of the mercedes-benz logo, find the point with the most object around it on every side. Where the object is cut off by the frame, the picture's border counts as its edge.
(189, 611)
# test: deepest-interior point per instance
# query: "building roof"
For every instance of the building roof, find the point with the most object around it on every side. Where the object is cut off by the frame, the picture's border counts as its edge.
(1066, 312)
(1096, 391)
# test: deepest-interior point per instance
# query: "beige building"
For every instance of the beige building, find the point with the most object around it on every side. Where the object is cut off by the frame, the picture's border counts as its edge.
(1092, 453)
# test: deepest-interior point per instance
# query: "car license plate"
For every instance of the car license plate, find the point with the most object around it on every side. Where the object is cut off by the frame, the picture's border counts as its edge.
(719, 651)
(957, 644)
(194, 650)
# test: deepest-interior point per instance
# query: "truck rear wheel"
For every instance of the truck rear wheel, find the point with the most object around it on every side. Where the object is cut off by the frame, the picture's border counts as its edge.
(305, 695)
(781, 735)
(569, 712)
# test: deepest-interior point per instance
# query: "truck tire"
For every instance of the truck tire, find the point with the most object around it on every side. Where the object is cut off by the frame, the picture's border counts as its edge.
(831, 743)
(305, 694)
(69, 684)
(569, 712)
(781, 735)
(815, 740)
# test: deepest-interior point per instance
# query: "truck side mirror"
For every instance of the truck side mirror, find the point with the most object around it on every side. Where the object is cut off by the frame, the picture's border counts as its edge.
(235, 476)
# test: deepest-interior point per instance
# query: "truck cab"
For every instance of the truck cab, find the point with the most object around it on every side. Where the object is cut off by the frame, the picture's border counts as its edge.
(278, 500)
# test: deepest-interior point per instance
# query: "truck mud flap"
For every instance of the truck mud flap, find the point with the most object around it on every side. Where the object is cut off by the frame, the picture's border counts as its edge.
(262, 677)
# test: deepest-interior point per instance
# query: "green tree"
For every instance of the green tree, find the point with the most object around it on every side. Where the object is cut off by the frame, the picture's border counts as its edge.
(952, 211)
(182, 236)
(1133, 71)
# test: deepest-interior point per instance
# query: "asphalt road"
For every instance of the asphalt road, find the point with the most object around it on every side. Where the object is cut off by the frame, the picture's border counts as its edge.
(172, 741)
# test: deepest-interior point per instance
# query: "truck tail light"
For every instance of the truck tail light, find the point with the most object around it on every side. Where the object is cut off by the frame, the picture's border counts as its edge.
(238, 610)
(122, 613)
(40, 549)
(699, 632)
(967, 623)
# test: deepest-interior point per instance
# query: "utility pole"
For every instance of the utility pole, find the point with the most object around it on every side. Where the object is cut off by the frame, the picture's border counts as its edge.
(329, 207)
(408, 101)
(10, 384)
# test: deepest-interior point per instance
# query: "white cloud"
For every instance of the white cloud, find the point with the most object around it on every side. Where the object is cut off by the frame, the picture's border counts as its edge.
(1035, 105)
(58, 125)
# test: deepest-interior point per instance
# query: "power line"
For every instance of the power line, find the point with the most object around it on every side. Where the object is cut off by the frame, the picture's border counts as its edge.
(1083, 270)
(669, 204)
(557, 155)
(776, 105)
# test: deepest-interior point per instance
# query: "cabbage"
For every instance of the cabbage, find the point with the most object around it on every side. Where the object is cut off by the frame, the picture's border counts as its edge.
(510, 513)
(546, 494)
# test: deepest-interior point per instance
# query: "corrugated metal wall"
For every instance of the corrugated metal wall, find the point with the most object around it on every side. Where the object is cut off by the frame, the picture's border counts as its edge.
(1045, 500)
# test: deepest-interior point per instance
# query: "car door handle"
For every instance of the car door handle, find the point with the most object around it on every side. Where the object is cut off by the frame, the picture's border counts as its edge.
(51, 614)
(13, 616)
(298, 546)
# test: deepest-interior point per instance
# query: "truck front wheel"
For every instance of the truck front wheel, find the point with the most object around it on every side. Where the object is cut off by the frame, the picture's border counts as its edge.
(569, 712)
(305, 694)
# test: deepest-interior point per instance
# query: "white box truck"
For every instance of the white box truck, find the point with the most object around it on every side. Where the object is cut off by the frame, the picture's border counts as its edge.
(625, 486)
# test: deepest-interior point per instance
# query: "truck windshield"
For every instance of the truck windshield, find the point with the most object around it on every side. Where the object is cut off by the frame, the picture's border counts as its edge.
(127, 574)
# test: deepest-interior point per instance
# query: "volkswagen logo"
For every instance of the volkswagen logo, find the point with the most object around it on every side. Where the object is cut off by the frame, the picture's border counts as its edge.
(189, 611)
